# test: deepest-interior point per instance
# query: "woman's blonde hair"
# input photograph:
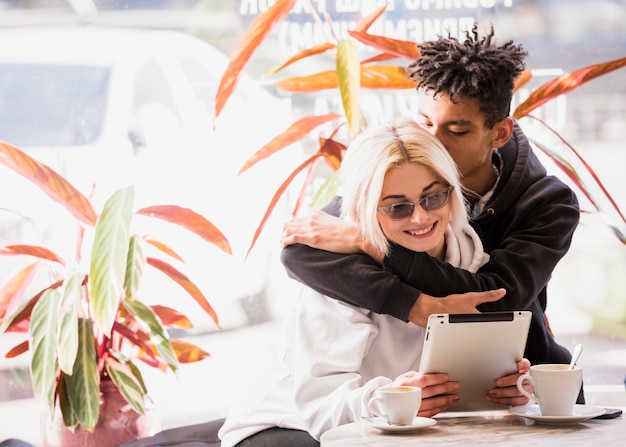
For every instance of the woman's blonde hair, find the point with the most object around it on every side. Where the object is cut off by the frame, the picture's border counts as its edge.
(376, 151)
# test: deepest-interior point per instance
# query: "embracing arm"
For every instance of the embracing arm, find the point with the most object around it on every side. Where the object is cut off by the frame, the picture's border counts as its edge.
(522, 261)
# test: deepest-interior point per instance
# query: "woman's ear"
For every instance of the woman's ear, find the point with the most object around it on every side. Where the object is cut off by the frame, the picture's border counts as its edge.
(502, 132)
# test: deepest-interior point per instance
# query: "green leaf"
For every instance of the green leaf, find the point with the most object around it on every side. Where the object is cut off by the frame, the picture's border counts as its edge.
(67, 333)
(326, 192)
(68, 413)
(134, 267)
(158, 334)
(83, 386)
(349, 75)
(108, 257)
(42, 339)
(125, 380)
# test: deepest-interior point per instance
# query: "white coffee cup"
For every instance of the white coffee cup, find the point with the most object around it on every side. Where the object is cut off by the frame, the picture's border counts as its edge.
(397, 404)
(555, 388)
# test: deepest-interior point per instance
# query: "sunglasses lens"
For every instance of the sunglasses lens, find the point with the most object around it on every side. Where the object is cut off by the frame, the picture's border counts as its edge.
(400, 210)
(436, 200)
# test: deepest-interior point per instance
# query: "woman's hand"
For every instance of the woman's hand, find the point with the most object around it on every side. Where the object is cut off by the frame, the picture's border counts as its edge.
(506, 392)
(437, 392)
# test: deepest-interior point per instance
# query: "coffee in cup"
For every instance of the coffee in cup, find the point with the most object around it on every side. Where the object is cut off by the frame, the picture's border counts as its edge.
(397, 404)
(555, 387)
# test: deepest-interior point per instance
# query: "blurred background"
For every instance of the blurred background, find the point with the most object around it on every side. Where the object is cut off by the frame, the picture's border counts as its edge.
(86, 90)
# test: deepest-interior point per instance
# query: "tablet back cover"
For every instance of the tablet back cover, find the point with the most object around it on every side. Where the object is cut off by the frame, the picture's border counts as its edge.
(475, 350)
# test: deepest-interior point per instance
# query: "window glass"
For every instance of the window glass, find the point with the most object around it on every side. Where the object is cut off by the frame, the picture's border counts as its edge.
(45, 104)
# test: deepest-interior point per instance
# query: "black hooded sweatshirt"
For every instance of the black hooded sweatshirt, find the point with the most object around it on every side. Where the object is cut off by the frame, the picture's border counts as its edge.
(526, 227)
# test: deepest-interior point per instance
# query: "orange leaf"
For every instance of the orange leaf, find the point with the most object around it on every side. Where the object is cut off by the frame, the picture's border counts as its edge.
(324, 80)
(294, 133)
(279, 192)
(12, 291)
(385, 76)
(171, 317)
(188, 352)
(190, 220)
(522, 79)
(186, 284)
(162, 247)
(255, 35)
(367, 21)
(348, 73)
(19, 323)
(564, 84)
(399, 48)
(54, 185)
(32, 250)
(317, 49)
(372, 76)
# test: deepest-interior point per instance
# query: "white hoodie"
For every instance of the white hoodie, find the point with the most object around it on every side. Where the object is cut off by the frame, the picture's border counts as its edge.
(332, 358)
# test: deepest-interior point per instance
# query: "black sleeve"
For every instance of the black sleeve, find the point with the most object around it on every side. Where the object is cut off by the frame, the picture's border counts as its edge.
(533, 242)
(343, 276)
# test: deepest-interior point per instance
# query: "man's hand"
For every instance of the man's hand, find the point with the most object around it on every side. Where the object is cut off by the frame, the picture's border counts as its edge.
(437, 392)
(462, 303)
(326, 232)
(506, 392)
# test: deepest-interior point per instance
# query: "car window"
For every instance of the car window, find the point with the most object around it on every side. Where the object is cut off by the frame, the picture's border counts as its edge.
(151, 87)
(203, 81)
(52, 105)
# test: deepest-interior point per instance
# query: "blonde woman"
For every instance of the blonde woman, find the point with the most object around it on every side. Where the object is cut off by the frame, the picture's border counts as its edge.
(400, 186)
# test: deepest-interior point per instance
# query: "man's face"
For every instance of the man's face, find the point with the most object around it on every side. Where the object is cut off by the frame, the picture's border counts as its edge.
(461, 129)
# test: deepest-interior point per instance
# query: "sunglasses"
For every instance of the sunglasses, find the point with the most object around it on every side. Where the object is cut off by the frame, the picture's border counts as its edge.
(403, 210)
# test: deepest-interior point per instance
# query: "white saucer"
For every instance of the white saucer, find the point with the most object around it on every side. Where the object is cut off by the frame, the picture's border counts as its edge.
(418, 424)
(581, 413)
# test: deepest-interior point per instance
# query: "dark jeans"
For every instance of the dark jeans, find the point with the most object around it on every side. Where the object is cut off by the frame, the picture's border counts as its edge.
(280, 437)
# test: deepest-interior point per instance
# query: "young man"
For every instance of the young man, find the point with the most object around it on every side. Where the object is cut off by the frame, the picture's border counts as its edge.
(524, 217)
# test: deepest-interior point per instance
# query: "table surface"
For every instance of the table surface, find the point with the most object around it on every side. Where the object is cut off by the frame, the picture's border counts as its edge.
(483, 428)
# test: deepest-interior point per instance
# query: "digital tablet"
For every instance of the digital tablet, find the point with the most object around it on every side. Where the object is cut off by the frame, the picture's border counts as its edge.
(475, 350)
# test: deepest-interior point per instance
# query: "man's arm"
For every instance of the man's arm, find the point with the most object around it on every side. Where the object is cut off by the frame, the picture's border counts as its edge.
(522, 261)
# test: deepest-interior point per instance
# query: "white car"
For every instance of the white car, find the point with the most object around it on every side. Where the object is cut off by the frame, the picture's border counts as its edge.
(121, 106)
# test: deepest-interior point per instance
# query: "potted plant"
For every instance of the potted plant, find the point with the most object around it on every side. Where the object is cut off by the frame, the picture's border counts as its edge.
(87, 329)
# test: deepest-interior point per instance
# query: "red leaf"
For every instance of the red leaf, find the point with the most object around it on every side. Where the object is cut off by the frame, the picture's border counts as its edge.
(190, 220)
(18, 350)
(54, 185)
(186, 284)
(564, 84)
(332, 151)
(277, 196)
(255, 35)
(32, 250)
(399, 48)
(296, 132)
(317, 49)
(170, 317)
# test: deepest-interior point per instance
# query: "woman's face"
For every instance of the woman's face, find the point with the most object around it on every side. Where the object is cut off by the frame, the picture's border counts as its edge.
(424, 230)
